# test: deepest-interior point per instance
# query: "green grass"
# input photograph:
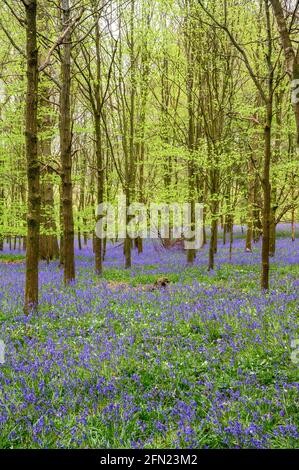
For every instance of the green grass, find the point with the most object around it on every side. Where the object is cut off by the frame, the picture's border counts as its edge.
(10, 258)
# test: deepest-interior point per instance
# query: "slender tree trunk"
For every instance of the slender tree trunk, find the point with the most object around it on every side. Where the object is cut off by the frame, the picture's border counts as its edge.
(204, 241)
(131, 163)
(61, 251)
(293, 225)
(231, 236)
(33, 169)
(257, 224)
(267, 159)
(139, 245)
(267, 200)
(224, 231)
(272, 243)
(48, 244)
(249, 234)
(127, 241)
(104, 248)
(81, 205)
(214, 206)
(212, 244)
(98, 245)
(291, 55)
(98, 242)
(85, 237)
(272, 228)
(204, 231)
(250, 199)
(191, 252)
(66, 150)
(79, 237)
(215, 237)
(190, 53)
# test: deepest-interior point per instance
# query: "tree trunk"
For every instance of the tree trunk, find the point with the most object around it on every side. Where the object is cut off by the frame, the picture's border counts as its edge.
(100, 194)
(291, 56)
(139, 245)
(273, 208)
(250, 200)
(272, 242)
(66, 150)
(267, 199)
(293, 225)
(249, 234)
(33, 169)
(61, 246)
(79, 237)
(257, 225)
(48, 244)
(212, 244)
(104, 248)
(224, 231)
(231, 236)
(98, 245)
(127, 241)
(216, 238)
(204, 232)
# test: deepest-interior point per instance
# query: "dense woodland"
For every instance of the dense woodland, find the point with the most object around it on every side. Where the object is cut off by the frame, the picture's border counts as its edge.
(164, 100)
(154, 342)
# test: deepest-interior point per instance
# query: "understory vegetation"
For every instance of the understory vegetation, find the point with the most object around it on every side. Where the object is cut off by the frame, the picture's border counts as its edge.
(203, 362)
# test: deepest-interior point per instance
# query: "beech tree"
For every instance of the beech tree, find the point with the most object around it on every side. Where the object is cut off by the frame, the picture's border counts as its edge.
(66, 147)
(291, 52)
(33, 167)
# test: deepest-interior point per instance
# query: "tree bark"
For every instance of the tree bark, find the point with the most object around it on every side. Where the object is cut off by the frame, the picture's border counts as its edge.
(293, 225)
(212, 243)
(257, 224)
(267, 199)
(291, 56)
(33, 168)
(48, 244)
(250, 201)
(272, 243)
(98, 245)
(66, 150)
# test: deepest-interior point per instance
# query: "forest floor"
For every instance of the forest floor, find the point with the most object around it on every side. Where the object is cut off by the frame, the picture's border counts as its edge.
(204, 362)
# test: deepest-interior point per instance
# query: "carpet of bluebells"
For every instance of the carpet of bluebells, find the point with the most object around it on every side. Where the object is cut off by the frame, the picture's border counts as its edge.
(110, 363)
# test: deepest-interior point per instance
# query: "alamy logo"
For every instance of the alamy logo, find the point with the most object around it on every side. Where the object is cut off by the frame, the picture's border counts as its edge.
(295, 91)
(2, 352)
(176, 220)
(295, 353)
